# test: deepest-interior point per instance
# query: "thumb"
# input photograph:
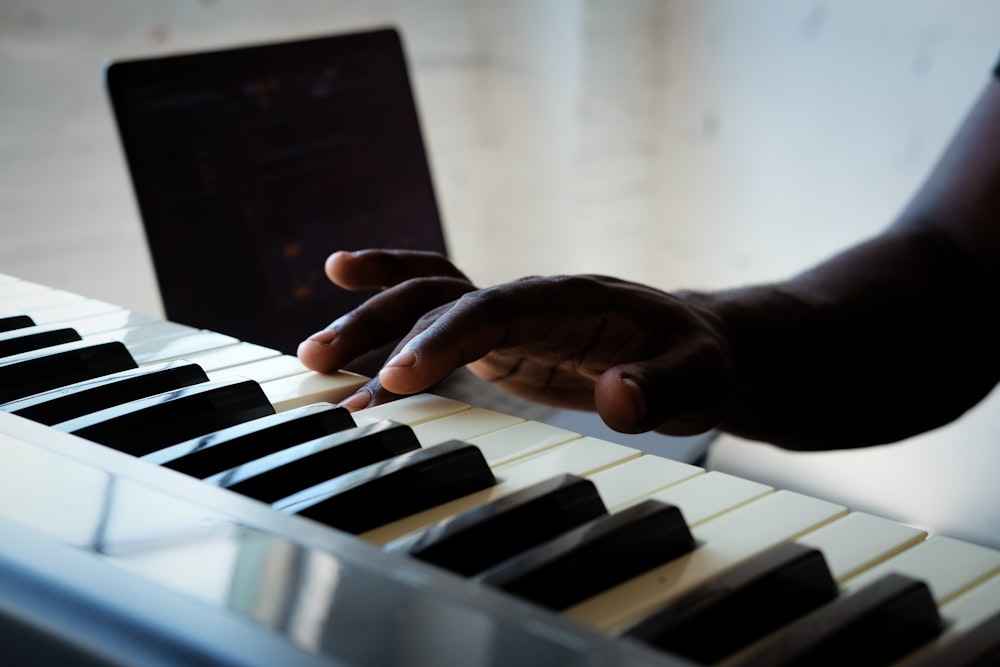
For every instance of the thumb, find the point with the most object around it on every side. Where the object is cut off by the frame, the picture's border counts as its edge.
(682, 392)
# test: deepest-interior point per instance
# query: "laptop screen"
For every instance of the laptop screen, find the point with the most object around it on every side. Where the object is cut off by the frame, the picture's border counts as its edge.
(251, 165)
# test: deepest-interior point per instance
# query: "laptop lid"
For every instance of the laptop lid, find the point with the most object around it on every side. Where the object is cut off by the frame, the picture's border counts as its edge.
(250, 165)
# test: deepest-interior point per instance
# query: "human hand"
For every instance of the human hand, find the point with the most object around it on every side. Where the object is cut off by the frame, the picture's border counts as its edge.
(641, 357)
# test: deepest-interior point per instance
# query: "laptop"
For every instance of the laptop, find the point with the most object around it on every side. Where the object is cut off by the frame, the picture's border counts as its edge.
(251, 165)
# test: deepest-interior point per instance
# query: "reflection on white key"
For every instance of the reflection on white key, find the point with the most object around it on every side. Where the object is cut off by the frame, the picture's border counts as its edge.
(412, 410)
(948, 566)
(231, 355)
(305, 388)
(274, 368)
(33, 304)
(463, 425)
(19, 288)
(112, 321)
(520, 440)
(72, 312)
(582, 456)
(860, 541)
(166, 349)
(635, 480)
(724, 542)
(134, 338)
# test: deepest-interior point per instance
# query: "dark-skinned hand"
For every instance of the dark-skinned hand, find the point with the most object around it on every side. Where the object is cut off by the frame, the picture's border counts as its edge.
(642, 358)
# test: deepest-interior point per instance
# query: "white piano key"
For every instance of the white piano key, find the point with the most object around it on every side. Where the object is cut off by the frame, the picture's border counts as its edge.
(586, 454)
(705, 497)
(32, 304)
(266, 370)
(724, 541)
(586, 457)
(298, 390)
(635, 480)
(971, 608)
(138, 338)
(19, 288)
(112, 321)
(860, 541)
(177, 347)
(412, 410)
(948, 566)
(520, 440)
(463, 425)
(73, 311)
(231, 355)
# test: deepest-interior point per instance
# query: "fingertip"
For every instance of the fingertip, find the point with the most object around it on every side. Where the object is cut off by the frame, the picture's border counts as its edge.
(359, 400)
(398, 380)
(403, 374)
(335, 264)
(315, 353)
(621, 402)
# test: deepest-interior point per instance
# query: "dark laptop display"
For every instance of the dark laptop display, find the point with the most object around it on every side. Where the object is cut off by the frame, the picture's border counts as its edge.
(251, 165)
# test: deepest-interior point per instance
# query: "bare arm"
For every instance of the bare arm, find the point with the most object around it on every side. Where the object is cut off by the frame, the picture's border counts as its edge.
(895, 336)
(892, 337)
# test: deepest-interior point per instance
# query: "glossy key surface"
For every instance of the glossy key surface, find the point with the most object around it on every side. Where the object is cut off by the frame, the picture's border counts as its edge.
(227, 448)
(283, 473)
(387, 491)
(595, 556)
(18, 341)
(82, 398)
(148, 424)
(15, 322)
(33, 372)
(742, 605)
(482, 537)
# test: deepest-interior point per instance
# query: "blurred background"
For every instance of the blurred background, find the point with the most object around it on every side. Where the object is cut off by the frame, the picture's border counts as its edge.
(681, 143)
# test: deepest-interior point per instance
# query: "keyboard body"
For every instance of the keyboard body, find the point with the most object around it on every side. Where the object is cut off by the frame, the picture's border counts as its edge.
(106, 559)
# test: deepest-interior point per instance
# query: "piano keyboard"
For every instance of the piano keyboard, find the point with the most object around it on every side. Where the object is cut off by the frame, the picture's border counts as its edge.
(228, 513)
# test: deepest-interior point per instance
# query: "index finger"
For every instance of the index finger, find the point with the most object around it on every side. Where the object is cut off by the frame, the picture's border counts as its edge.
(378, 269)
(466, 330)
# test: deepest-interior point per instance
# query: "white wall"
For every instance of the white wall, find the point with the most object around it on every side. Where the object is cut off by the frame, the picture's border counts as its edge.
(684, 143)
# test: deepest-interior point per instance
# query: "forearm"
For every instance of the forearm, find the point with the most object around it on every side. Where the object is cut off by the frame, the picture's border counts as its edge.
(893, 337)
(836, 358)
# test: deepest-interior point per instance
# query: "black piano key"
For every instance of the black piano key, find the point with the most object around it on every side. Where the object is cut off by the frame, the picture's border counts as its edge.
(82, 398)
(484, 536)
(15, 322)
(978, 647)
(19, 341)
(34, 372)
(742, 605)
(143, 426)
(875, 625)
(281, 474)
(595, 556)
(384, 492)
(219, 451)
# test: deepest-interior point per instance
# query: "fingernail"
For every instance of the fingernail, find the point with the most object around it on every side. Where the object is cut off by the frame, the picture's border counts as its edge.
(324, 337)
(405, 359)
(357, 401)
(636, 396)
